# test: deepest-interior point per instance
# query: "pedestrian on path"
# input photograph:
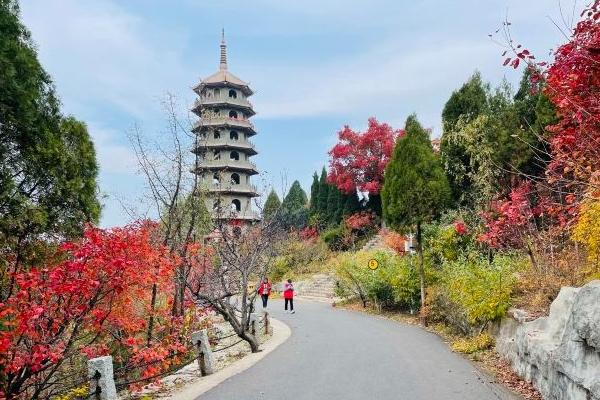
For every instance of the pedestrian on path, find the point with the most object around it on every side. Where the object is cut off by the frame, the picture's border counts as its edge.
(288, 295)
(264, 290)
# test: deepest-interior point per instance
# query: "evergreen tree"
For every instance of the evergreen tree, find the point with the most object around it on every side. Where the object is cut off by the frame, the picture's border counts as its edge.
(351, 204)
(295, 199)
(272, 205)
(333, 202)
(314, 195)
(323, 195)
(48, 165)
(416, 188)
(464, 105)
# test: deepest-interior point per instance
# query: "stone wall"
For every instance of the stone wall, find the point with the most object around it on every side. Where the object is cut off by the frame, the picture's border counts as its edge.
(559, 354)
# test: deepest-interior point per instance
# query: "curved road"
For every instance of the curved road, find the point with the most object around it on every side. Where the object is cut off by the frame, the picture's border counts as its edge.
(342, 355)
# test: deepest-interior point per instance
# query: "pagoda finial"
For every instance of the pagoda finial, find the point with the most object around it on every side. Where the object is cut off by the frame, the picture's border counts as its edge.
(223, 63)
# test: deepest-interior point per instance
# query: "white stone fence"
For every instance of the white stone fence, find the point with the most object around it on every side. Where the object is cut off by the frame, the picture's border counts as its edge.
(102, 378)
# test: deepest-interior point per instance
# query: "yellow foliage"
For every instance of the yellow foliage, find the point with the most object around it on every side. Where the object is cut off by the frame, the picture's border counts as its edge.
(587, 229)
(471, 345)
(80, 392)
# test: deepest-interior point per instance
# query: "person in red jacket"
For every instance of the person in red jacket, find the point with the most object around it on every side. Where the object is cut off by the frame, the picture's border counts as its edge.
(264, 290)
(288, 295)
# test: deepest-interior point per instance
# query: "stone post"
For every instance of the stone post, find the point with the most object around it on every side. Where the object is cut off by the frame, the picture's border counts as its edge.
(266, 317)
(206, 361)
(102, 383)
(253, 320)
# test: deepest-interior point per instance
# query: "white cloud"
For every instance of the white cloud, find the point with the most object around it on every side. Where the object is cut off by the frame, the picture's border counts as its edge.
(112, 156)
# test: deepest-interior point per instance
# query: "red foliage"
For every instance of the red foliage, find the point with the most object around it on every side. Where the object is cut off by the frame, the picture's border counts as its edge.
(361, 220)
(95, 298)
(511, 221)
(460, 227)
(359, 159)
(309, 233)
(395, 241)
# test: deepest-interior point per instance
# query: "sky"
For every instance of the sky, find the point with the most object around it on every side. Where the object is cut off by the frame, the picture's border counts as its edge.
(315, 66)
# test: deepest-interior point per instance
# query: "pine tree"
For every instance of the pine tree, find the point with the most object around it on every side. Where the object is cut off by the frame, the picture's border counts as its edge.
(272, 205)
(333, 201)
(295, 199)
(416, 188)
(314, 195)
(323, 195)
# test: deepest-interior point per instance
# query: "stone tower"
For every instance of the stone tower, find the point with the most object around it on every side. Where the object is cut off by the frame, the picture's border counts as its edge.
(223, 146)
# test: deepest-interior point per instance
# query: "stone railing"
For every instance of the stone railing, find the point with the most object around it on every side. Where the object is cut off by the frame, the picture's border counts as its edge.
(226, 142)
(233, 164)
(240, 122)
(239, 101)
(242, 187)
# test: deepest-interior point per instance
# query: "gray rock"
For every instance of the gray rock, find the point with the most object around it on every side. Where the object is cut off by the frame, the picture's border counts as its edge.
(559, 354)
(206, 359)
(100, 372)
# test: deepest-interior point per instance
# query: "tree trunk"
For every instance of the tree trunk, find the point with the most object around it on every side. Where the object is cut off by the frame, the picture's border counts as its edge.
(421, 271)
(151, 319)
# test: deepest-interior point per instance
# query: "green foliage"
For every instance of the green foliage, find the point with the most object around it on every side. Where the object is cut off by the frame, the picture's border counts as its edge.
(465, 103)
(350, 204)
(298, 257)
(415, 188)
(314, 195)
(48, 167)
(323, 194)
(333, 215)
(482, 291)
(272, 205)
(394, 284)
(337, 238)
(295, 199)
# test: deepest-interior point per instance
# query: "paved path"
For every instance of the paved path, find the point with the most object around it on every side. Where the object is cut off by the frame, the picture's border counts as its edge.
(341, 355)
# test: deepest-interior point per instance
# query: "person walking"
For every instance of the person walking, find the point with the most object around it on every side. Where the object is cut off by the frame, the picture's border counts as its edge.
(264, 290)
(288, 295)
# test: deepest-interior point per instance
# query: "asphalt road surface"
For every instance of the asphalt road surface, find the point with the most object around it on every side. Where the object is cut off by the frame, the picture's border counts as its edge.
(342, 355)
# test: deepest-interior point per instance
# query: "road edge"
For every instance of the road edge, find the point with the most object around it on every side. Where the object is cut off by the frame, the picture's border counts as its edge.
(281, 333)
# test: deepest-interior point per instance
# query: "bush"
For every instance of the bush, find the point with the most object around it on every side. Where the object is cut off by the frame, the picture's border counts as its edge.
(471, 293)
(297, 257)
(473, 344)
(393, 285)
(338, 238)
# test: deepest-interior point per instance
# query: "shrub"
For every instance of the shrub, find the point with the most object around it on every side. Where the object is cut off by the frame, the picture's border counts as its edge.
(394, 284)
(470, 345)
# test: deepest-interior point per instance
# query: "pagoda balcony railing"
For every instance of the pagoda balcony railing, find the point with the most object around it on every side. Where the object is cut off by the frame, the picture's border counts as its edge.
(204, 100)
(233, 164)
(209, 121)
(231, 187)
(226, 213)
(225, 142)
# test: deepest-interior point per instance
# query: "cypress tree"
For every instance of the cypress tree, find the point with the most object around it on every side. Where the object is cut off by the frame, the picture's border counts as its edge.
(323, 195)
(416, 188)
(272, 205)
(314, 195)
(351, 204)
(295, 199)
(333, 202)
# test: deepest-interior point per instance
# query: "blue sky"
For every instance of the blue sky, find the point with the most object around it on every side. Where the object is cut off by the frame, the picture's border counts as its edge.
(315, 65)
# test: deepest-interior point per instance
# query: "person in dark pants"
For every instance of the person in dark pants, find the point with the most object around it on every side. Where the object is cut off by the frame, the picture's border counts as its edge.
(288, 295)
(264, 290)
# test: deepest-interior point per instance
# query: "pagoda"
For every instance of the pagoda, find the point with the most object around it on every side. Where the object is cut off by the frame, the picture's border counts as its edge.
(222, 143)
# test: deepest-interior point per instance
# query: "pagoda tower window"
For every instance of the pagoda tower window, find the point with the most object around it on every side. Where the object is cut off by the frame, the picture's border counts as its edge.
(233, 94)
(217, 134)
(216, 178)
(233, 114)
(216, 155)
(217, 92)
(217, 205)
(234, 155)
(236, 205)
(235, 179)
(233, 135)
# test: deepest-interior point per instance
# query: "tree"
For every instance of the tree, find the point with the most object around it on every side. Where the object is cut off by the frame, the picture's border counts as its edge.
(323, 195)
(314, 195)
(333, 216)
(351, 204)
(48, 167)
(272, 205)
(416, 188)
(464, 105)
(358, 160)
(295, 199)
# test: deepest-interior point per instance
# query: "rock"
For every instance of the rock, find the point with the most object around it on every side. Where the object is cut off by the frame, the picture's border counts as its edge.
(559, 354)
(100, 372)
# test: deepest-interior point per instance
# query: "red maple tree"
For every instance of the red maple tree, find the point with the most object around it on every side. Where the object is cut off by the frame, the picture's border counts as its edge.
(359, 159)
(95, 300)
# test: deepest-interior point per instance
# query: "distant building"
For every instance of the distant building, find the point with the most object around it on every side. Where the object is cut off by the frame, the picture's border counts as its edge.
(223, 146)
(435, 143)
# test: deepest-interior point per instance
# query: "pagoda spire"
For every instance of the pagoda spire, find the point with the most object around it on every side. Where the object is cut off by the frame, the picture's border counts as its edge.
(223, 63)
